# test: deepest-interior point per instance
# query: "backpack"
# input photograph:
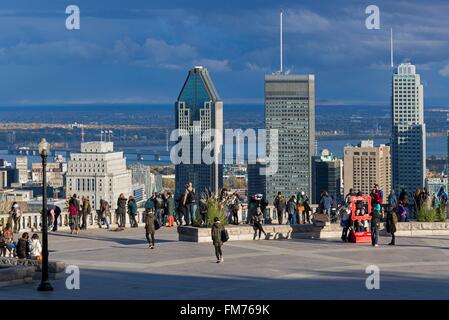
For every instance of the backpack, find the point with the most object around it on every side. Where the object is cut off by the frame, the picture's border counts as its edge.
(73, 210)
(224, 235)
(157, 225)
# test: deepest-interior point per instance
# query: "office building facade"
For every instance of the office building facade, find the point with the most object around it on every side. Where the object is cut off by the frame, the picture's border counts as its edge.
(408, 142)
(290, 109)
(326, 176)
(198, 110)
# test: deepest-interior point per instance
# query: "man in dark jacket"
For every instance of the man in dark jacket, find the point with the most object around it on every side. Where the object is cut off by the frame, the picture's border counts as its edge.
(279, 203)
(375, 224)
(216, 231)
(150, 229)
(57, 211)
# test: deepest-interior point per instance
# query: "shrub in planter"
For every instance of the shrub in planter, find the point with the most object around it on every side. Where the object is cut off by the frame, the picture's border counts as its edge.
(440, 215)
(426, 215)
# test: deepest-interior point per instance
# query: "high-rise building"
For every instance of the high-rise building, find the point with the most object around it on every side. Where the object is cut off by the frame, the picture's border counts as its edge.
(365, 166)
(55, 174)
(199, 110)
(326, 176)
(142, 175)
(408, 142)
(256, 181)
(290, 109)
(22, 169)
(98, 172)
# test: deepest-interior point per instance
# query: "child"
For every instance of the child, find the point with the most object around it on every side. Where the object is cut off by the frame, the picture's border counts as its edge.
(35, 247)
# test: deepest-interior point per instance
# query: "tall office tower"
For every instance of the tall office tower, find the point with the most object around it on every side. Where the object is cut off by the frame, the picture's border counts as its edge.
(290, 109)
(326, 175)
(408, 140)
(256, 181)
(98, 172)
(22, 169)
(142, 175)
(197, 111)
(365, 166)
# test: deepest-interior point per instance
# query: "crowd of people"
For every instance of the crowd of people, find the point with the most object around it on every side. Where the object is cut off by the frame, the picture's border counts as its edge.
(24, 248)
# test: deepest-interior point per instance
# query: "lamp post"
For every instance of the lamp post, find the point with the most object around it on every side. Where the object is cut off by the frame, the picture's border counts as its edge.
(44, 150)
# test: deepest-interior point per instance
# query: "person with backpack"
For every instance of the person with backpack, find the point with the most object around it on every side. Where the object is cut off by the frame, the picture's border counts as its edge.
(74, 208)
(150, 227)
(392, 220)
(217, 238)
(121, 211)
(280, 203)
(132, 211)
(375, 224)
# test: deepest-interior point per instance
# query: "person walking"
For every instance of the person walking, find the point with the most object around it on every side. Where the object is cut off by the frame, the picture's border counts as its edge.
(375, 224)
(291, 207)
(15, 214)
(170, 208)
(258, 217)
(391, 222)
(150, 228)
(35, 247)
(132, 211)
(57, 212)
(280, 203)
(23, 249)
(217, 229)
(121, 211)
(160, 207)
(74, 208)
(326, 204)
(85, 212)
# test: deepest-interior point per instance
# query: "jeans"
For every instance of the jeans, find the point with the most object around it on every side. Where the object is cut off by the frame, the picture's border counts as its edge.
(191, 208)
(291, 219)
(344, 233)
(374, 235)
(159, 216)
(150, 241)
(218, 252)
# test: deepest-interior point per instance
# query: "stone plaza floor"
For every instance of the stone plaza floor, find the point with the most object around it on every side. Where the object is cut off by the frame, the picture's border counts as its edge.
(119, 265)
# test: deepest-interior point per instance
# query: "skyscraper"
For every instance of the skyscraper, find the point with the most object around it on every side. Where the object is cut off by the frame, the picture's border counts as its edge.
(408, 140)
(365, 166)
(22, 169)
(326, 175)
(290, 109)
(198, 110)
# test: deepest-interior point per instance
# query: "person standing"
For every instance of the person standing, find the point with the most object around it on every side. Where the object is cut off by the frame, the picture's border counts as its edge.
(392, 220)
(121, 211)
(280, 203)
(189, 202)
(375, 224)
(132, 211)
(258, 217)
(150, 228)
(291, 207)
(234, 208)
(74, 208)
(16, 214)
(104, 213)
(217, 229)
(57, 213)
(392, 199)
(306, 208)
(326, 204)
(8, 236)
(86, 210)
(203, 210)
(170, 208)
(160, 206)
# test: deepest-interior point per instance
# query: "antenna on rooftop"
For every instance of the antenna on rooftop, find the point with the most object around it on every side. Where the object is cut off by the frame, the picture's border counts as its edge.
(281, 44)
(391, 48)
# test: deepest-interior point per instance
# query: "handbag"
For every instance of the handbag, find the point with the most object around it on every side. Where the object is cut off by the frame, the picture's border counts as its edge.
(157, 225)
(224, 235)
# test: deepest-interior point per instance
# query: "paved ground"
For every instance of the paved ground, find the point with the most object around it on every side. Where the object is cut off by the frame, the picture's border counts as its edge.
(118, 265)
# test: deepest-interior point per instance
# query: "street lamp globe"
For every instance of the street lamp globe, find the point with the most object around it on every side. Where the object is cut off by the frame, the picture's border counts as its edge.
(44, 147)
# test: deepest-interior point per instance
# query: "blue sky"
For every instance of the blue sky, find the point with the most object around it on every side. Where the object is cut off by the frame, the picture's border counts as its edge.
(139, 51)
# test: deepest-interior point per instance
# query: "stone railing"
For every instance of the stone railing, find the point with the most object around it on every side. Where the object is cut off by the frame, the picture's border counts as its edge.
(33, 221)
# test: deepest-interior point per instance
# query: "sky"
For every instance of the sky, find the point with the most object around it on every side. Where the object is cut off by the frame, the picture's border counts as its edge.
(139, 51)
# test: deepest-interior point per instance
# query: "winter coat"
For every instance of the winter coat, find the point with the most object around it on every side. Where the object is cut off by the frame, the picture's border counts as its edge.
(170, 206)
(35, 248)
(326, 203)
(86, 206)
(375, 218)
(132, 208)
(149, 222)
(22, 248)
(217, 228)
(149, 204)
(291, 206)
(392, 220)
(121, 206)
(279, 202)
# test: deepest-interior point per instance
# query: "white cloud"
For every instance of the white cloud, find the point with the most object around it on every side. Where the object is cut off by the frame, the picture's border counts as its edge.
(214, 65)
(444, 71)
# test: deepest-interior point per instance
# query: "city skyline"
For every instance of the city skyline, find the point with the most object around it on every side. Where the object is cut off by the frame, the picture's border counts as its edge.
(138, 53)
